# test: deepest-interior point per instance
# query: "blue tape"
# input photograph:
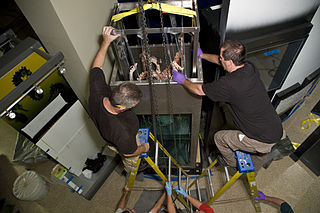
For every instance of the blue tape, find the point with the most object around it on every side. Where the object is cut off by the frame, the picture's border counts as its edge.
(297, 107)
(79, 188)
(143, 155)
(69, 179)
(272, 52)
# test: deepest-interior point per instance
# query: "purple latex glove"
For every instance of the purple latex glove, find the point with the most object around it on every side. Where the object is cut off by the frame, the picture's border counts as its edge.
(178, 77)
(261, 196)
(199, 52)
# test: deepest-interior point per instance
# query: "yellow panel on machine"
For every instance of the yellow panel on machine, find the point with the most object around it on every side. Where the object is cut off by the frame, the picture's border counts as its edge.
(20, 72)
(30, 79)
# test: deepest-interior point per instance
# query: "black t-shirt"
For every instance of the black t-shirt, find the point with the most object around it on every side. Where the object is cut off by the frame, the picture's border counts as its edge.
(248, 101)
(119, 130)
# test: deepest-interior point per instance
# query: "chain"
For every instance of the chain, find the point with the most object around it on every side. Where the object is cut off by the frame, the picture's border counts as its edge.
(146, 50)
(169, 88)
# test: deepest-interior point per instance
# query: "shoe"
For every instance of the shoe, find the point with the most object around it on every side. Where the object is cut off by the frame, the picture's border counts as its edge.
(222, 162)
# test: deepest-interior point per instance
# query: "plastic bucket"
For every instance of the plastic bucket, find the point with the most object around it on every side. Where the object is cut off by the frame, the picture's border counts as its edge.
(30, 186)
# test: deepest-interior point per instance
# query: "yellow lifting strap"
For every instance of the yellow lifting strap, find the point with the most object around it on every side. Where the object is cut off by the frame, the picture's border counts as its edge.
(295, 145)
(164, 8)
(167, 153)
(316, 120)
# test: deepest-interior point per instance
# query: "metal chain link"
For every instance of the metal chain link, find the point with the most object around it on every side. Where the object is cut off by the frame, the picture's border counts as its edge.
(146, 50)
(169, 88)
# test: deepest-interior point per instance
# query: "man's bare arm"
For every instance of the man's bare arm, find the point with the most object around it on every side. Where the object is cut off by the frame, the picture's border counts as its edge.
(170, 205)
(211, 57)
(101, 54)
(122, 201)
(143, 148)
(193, 87)
(196, 203)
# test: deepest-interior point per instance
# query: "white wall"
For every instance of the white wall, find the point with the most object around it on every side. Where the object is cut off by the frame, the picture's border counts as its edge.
(248, 14)
(309, 58)
(74, 28)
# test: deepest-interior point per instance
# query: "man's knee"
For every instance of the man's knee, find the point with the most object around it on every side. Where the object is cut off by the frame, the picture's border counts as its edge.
(218, 137)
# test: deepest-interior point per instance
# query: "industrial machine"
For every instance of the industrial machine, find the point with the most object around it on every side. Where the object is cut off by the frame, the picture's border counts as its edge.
(37, 101)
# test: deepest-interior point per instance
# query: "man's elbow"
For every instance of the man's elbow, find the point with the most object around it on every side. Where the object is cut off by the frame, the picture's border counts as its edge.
(135, 153)
(129, 155)
(197, 89)
(201, 93)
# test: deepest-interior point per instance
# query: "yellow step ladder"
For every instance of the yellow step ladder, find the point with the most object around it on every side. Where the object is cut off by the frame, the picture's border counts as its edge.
(245, 165)
(143, 135)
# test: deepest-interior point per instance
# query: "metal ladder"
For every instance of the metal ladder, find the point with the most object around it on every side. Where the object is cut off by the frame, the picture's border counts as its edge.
(245, 165)
(143, 135)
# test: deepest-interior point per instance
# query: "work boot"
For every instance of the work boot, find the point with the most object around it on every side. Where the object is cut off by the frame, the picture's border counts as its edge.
(222, 162)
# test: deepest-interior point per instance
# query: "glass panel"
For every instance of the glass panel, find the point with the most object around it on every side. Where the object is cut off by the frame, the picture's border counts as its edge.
(267, 62)
(179, 148)
(274, 63)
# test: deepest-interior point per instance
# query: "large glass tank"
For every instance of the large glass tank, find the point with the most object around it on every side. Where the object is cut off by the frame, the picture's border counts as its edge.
(176, 136)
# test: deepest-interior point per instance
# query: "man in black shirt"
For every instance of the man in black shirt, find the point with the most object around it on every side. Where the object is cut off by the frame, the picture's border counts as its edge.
(259, 126)
(110, 110)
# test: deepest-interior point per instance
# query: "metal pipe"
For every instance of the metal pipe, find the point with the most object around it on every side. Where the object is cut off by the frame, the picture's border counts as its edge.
(227, 173)
(179, 180)
(199, 192)
(188, 191)
(210, 182)
(156, 154)
(170, 30)
(169, 170)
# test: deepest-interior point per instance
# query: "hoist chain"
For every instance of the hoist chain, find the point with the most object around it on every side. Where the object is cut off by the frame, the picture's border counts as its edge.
(146, 51)
(165, 44)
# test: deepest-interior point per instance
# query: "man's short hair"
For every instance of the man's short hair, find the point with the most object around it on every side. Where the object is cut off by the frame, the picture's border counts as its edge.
(126, 94)
(235, 51)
